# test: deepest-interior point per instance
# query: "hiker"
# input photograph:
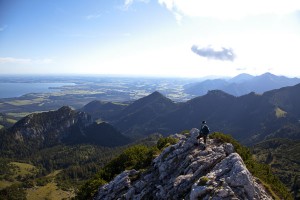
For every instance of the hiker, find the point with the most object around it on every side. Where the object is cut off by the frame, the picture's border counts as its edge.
(204, 131)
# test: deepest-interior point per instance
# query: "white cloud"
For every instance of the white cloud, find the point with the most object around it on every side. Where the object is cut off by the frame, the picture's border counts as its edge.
(93, 16)
(210, 52)
(11, 60)
(230, 9)
(178, 17)
(128, 3)
(14, 60)
(43, 61)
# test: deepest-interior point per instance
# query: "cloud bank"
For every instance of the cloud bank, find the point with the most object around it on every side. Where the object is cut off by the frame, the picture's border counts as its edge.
(223, 54)
(5, 60)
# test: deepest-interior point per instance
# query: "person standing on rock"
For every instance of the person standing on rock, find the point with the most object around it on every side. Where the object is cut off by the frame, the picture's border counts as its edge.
(204, 131)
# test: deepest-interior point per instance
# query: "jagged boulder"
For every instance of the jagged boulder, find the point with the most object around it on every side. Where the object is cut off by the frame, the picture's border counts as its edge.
(187, 170)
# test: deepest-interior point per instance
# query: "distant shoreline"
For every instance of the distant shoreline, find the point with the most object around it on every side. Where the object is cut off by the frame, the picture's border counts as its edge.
(17, 89)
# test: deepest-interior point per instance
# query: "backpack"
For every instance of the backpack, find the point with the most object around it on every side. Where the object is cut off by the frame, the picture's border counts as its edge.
(205, 130)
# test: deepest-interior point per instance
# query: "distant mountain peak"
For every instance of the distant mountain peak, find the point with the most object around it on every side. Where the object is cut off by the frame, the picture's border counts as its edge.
(156, 94)
(49, 128)
(153, 96)
(217, 93)
(243, 75)
(243, 84)
(267, 74)
(144, 110)
(241, 78)
(65, 109)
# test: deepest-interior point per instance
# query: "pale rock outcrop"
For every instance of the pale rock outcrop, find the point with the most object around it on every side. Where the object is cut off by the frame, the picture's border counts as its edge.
(187, 170)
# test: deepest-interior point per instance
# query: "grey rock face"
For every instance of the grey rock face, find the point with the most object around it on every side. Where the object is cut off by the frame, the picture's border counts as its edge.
(186, 171)
(52, 125)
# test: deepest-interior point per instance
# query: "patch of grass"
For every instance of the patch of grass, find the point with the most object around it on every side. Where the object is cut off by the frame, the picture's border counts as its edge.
(53, 174)
(20, 102)
(25, 102)
(99, 121)
(4, 184)
(1, 126)
(18, 115)
(23, 169)
(280, 113)
(185, 133)
(203, 180)
(269, 190)
(11, 121)
(165, 142)
(120, 103)
(22, 114)
(49, 191)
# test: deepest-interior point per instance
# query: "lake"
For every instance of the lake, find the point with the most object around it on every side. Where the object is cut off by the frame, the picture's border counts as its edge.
(8, 90)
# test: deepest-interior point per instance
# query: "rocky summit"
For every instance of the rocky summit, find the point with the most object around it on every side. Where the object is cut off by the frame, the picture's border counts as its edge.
(188, 170)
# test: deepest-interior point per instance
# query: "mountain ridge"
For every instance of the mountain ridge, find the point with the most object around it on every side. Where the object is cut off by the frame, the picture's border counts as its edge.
(242, 84)
(63, 126)
(48, 127)
(188, 171)
(103, 110)
(142, 111)
(241, 78)
(249, 118)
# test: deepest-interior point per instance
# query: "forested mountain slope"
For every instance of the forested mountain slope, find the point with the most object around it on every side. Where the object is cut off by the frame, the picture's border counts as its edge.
(249, 118)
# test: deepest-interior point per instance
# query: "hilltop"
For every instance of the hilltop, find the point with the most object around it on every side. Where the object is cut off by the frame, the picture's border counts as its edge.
(64, 126)
(185, 170)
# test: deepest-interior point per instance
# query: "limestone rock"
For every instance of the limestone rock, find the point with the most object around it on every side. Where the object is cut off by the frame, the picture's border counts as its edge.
(187, 171)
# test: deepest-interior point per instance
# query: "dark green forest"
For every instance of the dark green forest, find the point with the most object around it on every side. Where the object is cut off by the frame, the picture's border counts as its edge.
(283, 156)
(76, 164)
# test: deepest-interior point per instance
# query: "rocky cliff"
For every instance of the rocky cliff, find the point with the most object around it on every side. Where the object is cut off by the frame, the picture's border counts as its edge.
(188, 171)
(48, 128)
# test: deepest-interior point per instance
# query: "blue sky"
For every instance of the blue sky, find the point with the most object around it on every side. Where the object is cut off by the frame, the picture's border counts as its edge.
(182, 38)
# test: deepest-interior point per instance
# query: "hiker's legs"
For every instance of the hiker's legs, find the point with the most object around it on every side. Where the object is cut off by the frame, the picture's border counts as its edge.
(204, 138)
